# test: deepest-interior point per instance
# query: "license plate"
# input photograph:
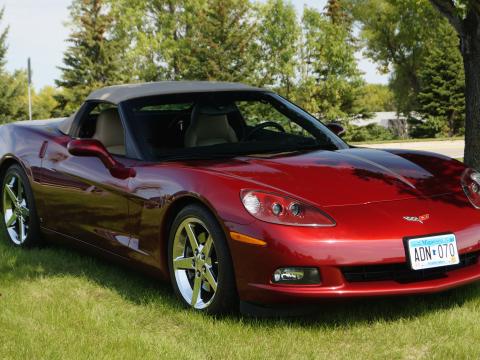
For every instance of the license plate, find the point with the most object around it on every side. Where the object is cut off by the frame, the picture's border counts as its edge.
(433, 251)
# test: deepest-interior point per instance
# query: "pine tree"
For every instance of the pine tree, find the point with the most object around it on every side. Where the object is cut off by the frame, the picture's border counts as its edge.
(220, 44)
(442, 82)
(3, 42)
(91, 61)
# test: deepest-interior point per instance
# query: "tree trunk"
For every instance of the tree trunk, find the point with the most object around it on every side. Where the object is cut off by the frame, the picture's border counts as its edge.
(471, 57)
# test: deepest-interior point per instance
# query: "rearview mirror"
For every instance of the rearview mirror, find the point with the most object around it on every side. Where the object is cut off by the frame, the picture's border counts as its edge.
(336, 128)
(94, 148)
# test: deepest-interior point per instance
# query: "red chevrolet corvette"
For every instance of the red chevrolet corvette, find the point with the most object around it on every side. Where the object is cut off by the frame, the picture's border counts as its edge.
(237, 195)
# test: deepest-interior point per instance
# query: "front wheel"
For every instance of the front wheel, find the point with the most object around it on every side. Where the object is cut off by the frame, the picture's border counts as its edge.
(19, 215)
(199, 260)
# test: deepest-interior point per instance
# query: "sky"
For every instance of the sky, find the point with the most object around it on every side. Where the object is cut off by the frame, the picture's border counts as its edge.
(37, 30)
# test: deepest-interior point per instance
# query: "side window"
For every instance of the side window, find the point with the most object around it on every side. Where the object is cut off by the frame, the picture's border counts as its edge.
(103, 123)
(257, 112)
(88, 123)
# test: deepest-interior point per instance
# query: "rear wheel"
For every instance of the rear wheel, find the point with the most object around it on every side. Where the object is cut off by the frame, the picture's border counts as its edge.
(19, 215)
(200, 265)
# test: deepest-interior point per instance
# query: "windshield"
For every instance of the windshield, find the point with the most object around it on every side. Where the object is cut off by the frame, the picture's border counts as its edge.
(210, 125)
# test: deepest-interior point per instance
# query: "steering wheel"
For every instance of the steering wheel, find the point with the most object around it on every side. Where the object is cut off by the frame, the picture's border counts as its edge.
(264, 125)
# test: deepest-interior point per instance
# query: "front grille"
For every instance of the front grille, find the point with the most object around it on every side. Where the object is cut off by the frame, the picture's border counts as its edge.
(402, 273)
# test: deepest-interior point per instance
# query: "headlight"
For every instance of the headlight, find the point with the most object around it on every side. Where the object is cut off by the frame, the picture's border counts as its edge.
(471, 186)
(278, 209)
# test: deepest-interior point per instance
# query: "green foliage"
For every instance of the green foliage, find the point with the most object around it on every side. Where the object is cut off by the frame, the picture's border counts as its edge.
(3, 41)
(396, 34)
(377, 98)
(371, 132)
(13, 86)
(14, 99)
(412, 39)
(442, 83)
(331, 82)
(153, 35)
(91, 60)
(279, 36)
(430, 128)
(236, 40)
(335, 11)
(221, 43)
(464, 16)
(44, 104)
(187, 39)
(13, 96)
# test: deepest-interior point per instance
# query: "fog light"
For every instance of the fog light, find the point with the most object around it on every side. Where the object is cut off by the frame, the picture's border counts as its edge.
(296, 275)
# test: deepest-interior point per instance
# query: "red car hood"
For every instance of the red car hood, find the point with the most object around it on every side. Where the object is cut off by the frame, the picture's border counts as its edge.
(348, 177)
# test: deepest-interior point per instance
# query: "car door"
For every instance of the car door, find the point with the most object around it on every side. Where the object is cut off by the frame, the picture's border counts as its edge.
(81, 197)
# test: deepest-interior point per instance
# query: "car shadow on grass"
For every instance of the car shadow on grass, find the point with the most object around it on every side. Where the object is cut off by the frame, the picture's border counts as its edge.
(141, 289)
(54, 260)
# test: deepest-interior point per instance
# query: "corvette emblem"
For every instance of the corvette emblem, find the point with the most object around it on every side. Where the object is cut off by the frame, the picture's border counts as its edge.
(421, 219)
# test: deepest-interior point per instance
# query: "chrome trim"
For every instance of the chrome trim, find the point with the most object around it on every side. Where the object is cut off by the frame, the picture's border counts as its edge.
(195, 263)
(16, 213)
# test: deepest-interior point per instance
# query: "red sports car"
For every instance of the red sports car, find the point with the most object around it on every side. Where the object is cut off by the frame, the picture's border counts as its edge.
(238, 196)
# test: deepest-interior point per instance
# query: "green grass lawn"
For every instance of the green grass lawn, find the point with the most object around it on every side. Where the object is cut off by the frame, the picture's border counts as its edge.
(58, 304)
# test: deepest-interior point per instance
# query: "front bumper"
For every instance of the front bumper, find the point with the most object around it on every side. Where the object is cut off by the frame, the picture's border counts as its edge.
(354, 242)
(270, 293)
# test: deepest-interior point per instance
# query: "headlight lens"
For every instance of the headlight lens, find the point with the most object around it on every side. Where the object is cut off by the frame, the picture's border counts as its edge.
(278, 209)
(471, 186)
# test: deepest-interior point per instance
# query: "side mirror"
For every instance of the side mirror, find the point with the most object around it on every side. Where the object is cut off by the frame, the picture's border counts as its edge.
(94, 148)
(336, 128)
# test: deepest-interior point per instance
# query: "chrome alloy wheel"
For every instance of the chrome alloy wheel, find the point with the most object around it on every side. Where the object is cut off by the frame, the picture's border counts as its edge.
(15, 209)
(195, 263)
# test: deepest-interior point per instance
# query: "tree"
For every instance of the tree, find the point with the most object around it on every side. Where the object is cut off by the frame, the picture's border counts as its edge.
(442, 84)
(13, 86)
(395, 35)
(279, 35)
(377, 98)
(221, 43)
(44, 103)
(91, 61)
(13, 96)
(464, 16)
(153, 35)
(331, 82)
(370, 132)
(3, 42)
(189, 39)
(335, 10)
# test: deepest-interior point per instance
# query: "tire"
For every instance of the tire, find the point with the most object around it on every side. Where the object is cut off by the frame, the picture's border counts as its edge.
(207, 268)
(19, 221)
